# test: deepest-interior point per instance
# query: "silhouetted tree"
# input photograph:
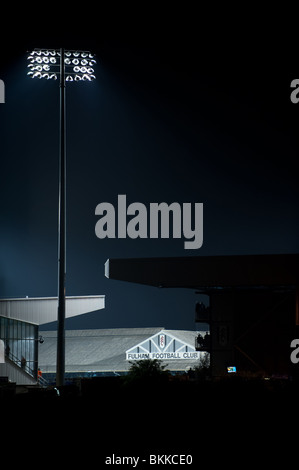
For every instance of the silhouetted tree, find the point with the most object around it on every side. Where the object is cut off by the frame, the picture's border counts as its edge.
(146, 370)
(202, 370)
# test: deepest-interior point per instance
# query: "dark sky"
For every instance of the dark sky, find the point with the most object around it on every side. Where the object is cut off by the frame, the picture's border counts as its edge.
(181, 111)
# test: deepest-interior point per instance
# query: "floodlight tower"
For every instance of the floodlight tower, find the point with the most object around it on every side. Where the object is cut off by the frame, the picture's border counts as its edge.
(69, 66)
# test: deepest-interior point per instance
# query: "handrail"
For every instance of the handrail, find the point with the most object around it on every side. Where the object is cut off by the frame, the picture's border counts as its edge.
(42, 381)
(20, 364)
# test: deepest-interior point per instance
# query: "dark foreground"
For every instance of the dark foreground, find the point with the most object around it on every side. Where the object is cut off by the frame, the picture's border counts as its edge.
(230, 421)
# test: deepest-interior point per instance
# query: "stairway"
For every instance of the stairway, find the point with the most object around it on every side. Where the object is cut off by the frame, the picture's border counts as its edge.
(19, 372)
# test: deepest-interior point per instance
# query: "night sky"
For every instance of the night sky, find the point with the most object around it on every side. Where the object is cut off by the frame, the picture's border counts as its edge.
(178, 113)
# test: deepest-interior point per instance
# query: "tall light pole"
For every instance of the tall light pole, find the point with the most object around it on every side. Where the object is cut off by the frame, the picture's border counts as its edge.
(69, 66)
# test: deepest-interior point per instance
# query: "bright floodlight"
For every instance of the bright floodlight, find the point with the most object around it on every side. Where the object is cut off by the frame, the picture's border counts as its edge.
(45, 63)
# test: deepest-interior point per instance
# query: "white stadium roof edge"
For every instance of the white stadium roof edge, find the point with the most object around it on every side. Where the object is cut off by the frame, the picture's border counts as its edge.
(41, 310)
(113, 350)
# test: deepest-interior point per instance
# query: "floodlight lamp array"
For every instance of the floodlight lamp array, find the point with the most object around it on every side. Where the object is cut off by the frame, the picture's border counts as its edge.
(78, 65)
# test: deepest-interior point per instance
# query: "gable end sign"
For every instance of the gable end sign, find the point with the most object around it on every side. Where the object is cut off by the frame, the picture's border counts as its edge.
(162, 346)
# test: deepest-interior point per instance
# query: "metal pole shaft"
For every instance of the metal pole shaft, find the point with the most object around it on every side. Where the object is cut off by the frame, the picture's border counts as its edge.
(60, 366)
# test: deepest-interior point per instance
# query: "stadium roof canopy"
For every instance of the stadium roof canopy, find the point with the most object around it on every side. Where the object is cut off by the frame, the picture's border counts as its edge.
(107, 350)
(41, 310)
(204, 272)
